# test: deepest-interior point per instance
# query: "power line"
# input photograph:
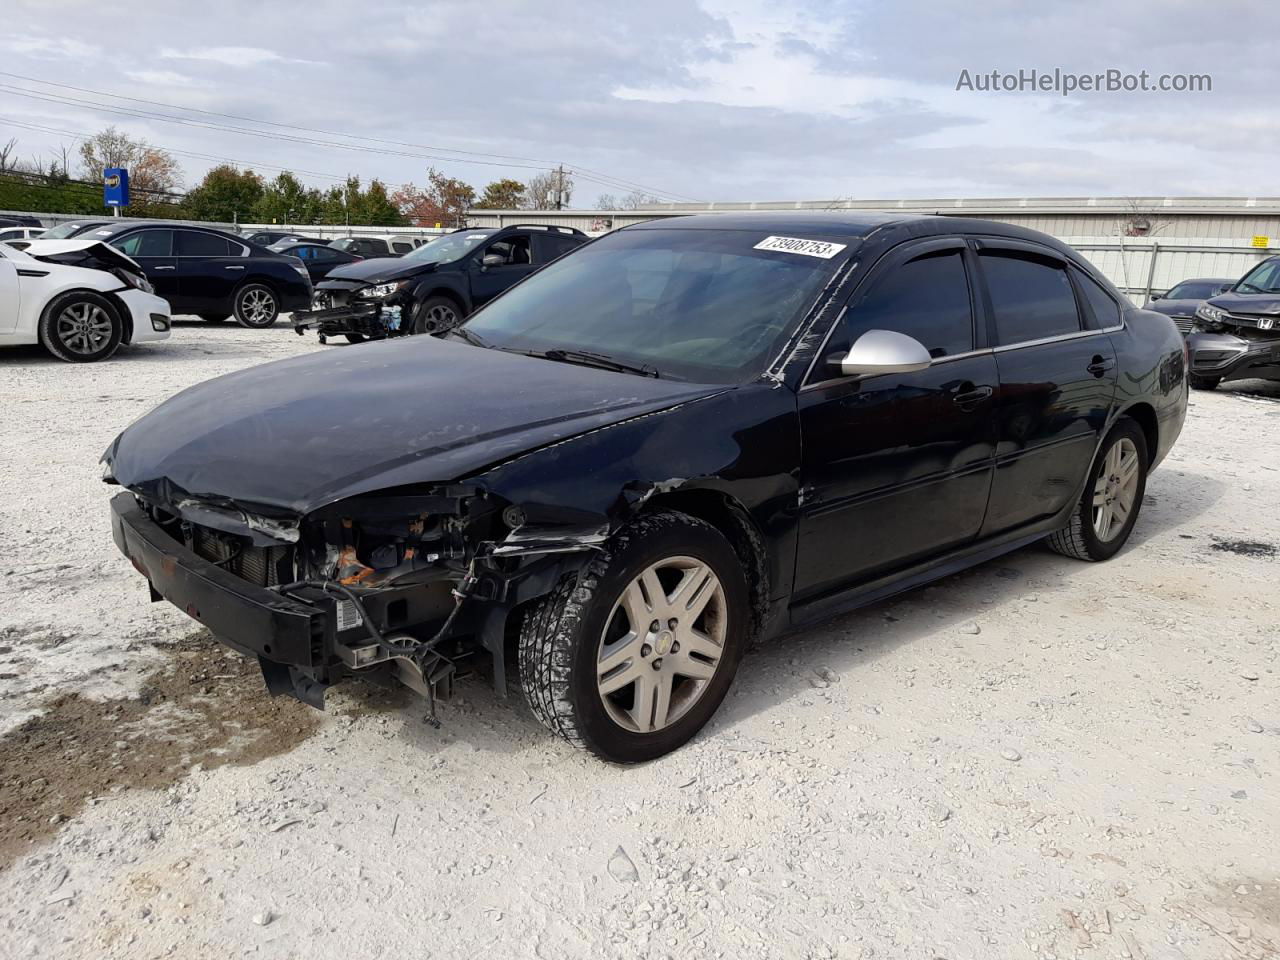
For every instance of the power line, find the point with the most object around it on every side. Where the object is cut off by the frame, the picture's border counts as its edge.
(467, 155)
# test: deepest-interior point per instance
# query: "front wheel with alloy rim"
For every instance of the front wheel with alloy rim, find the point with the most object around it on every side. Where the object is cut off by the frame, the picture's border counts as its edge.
(256, 305)
(632, 658)
(1108, 509)
(436, 315)
(81, 327)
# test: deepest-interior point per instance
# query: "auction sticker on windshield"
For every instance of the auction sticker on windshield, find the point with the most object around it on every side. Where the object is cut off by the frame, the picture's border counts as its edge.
(807, 248)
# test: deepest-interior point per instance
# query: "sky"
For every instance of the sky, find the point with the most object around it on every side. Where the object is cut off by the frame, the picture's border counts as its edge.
(700, 100)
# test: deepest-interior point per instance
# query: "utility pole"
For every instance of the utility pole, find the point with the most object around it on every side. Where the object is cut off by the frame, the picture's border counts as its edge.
(559, 186)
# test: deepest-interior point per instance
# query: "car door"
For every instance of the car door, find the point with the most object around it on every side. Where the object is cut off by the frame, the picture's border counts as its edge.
(897, 467)
(10, 298)
(498, 265)
(152, 248)
(210, 267)
(1057, 372)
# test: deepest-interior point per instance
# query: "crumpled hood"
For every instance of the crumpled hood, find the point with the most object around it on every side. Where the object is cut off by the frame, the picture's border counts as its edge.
(287, 437)
(380, 269)
(1247, 303)
(67, 251)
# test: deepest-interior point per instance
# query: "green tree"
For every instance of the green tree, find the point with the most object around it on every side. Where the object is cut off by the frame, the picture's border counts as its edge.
(285, 200)
(225, 195)
(504, 194)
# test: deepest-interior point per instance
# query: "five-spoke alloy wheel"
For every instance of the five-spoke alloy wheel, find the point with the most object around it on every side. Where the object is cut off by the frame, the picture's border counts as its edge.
(1105, 514)
(633, 656)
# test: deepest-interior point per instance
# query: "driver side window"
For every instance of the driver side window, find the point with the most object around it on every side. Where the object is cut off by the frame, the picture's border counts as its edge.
(926, 298)
(513, 250)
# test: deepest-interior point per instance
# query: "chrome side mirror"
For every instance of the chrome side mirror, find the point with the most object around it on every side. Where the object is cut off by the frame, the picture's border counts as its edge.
(493, 260)
(884, 351)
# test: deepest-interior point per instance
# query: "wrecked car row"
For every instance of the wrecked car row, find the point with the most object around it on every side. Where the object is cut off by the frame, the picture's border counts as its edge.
(1237, 333)
(687, 434)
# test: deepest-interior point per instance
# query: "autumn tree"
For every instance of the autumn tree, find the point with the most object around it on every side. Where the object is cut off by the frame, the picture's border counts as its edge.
(153, 172)
(504, 194)
(444, 201)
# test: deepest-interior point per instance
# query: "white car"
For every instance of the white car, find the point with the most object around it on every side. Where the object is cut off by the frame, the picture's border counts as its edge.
(78, 298)
(20, 235)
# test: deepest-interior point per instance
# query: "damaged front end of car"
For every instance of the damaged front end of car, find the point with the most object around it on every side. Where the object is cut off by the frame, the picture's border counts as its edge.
(353, 308)
(407, 585)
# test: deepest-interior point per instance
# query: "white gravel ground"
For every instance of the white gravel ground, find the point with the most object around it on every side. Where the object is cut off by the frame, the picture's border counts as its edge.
(1037, 758)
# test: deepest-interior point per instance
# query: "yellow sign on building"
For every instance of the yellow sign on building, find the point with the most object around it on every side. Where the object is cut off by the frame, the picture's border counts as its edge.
(1262, 242)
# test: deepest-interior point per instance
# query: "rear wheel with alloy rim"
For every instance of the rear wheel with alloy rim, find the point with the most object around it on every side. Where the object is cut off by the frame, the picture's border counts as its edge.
(436, 315)
(81, 327)
(633, 658)
(1108, 509)
(256, 306)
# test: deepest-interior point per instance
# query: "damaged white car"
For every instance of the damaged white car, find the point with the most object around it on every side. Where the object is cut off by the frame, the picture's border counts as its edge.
(80, 299)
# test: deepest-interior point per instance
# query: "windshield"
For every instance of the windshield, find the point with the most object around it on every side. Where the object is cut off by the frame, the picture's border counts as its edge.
(450, 247)
(63, 230)
(1264, 278)
(1194, 290)
(701, 305)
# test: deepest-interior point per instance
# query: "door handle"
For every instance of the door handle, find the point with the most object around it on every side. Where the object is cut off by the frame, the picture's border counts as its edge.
(233, 268)
(1100, 365)
(164, 268)
(967, 396)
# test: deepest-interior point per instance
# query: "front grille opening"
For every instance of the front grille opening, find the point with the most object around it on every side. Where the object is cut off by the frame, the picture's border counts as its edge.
(261, 566)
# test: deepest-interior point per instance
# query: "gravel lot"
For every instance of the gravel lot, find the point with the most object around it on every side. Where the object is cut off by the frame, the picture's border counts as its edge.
(1037, 758)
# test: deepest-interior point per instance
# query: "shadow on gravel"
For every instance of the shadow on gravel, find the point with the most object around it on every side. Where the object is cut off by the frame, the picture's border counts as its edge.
(203, 705)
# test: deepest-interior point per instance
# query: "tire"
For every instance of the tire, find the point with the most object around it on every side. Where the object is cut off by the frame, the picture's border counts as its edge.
(355, 337)
(212, 317)
(564, 635)
(436, 314)
(1081, 538)
(1204, 383)
(256, 306)
(81, 327)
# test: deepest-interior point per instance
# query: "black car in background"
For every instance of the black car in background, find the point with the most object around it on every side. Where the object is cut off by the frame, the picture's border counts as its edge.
(1238, 332)
(1183, 299)
(686, 436)
(318, 258)
(210, 273)
(267, 238)
(433, 288)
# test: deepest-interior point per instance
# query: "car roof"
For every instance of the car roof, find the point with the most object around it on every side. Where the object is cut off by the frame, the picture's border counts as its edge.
(112, 228)
(1206, 280)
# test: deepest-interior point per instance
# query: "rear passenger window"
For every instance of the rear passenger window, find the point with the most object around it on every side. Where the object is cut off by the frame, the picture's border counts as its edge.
(1106, 312)
(926, 298)
(145, 243)
(1031, 298)
(192, 243)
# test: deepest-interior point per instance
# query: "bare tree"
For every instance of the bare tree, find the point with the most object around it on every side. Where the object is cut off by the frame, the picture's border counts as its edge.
(7, 160)
(549, 191)
(1142, 217)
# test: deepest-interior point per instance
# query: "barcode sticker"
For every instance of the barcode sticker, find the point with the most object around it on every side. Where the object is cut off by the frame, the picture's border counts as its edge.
(806, 248)
(348, 615)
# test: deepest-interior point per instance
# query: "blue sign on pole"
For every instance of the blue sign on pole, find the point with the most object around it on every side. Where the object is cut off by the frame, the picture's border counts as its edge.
(115, 187)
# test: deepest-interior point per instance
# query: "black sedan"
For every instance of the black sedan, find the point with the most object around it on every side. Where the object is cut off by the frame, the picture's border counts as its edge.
(686, 435)
(1238, 332)
(318, 258)
(212, 274)
(1183, 299)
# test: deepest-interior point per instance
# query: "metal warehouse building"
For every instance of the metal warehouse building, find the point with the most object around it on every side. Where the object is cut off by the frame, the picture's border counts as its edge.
(1143, 244)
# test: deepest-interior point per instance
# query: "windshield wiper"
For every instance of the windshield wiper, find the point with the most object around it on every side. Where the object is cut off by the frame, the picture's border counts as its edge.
(472, 338)
(603, 361)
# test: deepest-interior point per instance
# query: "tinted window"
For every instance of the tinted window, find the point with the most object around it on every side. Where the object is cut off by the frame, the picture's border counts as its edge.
(401, 246)
(323, 254)
(1032, 298)
(513, 250)
(145, 243)
(927, 298)
(696, 304)
(1106, 312)
(192, 243)
(1264, 278)
(554, 245)
(1194, 290)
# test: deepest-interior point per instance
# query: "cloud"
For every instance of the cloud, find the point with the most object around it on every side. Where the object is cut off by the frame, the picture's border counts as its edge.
(231, 56)
(161, 78)
(51, 48)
